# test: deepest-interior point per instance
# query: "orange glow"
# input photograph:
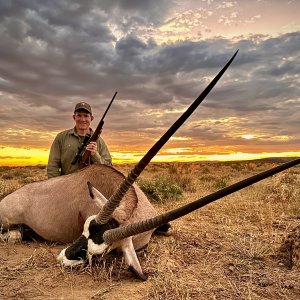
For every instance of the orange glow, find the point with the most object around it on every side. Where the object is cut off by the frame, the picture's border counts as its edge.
(13, 156)
(119, 158)
(10, 156)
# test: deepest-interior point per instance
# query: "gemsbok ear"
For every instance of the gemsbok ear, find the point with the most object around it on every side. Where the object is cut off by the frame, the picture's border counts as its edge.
(96, 196)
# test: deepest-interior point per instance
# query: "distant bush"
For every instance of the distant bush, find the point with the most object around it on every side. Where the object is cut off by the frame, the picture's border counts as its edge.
(207, 178)
(7, 176)
(172, 170)
(237, 166)
(185, 182)
(41, 167)
(205, 170)
(220, 183)
(160, 189)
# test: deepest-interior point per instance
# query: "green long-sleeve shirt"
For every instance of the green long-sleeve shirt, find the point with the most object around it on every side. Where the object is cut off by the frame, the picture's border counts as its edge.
(64, 149)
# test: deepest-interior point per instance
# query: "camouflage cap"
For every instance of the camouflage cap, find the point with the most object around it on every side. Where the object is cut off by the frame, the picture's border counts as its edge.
(83, 105)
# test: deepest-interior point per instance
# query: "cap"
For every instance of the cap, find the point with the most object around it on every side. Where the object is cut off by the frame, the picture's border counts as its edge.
(83, 105)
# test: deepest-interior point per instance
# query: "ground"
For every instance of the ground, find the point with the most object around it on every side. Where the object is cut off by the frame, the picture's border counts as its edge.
(227, 250)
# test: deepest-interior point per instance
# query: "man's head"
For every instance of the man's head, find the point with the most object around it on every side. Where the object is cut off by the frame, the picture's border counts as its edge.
(82, 117)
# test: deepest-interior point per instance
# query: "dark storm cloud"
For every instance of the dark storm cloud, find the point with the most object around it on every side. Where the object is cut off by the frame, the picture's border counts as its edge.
(133, 12)
(48, 49)
(261, 73)
(266, 76)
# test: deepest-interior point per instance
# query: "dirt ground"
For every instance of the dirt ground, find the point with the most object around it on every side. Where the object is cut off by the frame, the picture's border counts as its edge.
(190, 264)
(227, 250)
(31, 272)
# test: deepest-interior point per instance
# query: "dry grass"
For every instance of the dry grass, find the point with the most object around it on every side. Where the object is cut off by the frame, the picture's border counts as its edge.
(12, 178)
(227, 250)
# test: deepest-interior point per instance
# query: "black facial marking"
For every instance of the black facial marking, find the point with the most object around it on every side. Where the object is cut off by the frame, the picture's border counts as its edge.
(96, 230)
(78, 249)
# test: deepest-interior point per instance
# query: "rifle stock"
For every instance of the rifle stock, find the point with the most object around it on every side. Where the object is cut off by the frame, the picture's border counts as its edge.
(84, 159)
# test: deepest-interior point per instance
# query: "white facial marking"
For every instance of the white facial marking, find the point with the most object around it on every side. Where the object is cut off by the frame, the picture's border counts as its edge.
(64, 261)
(86, 226)
(94, 249)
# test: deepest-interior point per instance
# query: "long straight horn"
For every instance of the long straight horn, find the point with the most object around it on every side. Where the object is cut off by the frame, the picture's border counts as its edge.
(115, 199)
(113, 235)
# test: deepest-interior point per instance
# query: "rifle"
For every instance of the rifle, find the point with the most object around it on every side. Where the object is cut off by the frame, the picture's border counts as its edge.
(83, 155)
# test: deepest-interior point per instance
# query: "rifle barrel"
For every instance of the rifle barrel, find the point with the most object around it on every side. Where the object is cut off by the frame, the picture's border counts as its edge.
(110, 103)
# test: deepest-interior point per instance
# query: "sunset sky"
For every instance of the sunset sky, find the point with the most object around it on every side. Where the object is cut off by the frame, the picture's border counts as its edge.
(158, 56)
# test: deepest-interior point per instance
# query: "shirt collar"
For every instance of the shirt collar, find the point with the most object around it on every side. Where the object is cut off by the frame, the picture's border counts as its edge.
(74, 132)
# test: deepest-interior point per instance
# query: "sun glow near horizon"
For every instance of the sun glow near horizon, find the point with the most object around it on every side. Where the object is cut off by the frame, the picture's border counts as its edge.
(15, 157)
(20, 156)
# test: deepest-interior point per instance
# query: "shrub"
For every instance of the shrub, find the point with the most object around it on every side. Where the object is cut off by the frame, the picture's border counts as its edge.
(205, 170)
(220, 183)
(185, 182)
(207, 178)
(172, 170)
(41, 167)
(237, 166)
(161, 188)
(7, 176)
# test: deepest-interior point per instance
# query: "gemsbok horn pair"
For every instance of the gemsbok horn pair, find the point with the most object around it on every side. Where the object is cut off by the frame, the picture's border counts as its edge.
(120, 215)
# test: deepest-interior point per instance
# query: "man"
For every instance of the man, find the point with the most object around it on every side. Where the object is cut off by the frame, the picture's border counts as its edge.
(66, 143)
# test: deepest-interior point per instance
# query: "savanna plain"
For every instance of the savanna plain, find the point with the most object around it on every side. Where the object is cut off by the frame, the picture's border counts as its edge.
(230, 249)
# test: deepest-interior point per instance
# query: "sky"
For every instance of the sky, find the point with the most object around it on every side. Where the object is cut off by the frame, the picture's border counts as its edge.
(158, 56)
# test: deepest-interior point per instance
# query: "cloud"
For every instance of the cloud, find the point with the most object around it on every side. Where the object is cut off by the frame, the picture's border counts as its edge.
(56, 53)
(129, 16)
(226, 4)
(229, 19)
(253, 19)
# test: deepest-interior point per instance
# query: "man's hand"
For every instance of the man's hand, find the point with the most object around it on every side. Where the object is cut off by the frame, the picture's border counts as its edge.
(92, 146)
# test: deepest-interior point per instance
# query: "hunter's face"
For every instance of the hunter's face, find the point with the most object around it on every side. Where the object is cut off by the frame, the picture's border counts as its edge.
(82, 119)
